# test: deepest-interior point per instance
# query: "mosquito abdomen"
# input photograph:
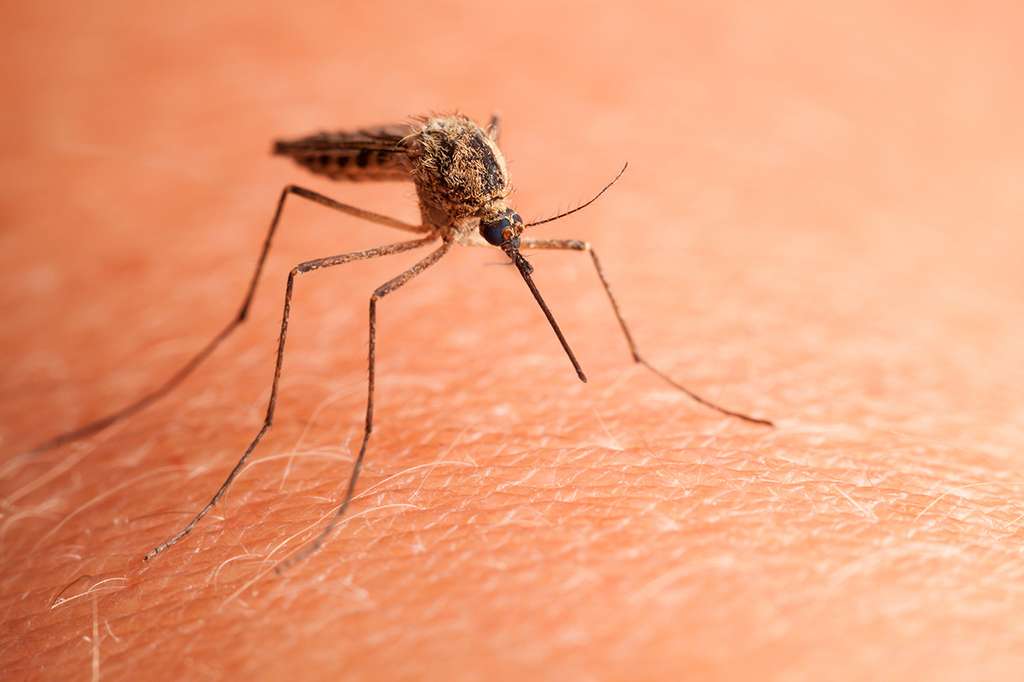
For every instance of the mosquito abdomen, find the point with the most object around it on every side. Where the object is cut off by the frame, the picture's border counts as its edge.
(367, 154)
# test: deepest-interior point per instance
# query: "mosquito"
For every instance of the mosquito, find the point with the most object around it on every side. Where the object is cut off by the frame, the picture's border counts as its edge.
(462, 185)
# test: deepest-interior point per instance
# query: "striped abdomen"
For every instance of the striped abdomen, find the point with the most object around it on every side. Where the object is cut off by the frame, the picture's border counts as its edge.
(368, 154)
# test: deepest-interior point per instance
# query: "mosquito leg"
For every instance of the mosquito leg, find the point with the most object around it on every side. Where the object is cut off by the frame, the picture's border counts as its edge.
(183, 372)
(381, 292)
(494, 127)
(308, 266)
(576, 245)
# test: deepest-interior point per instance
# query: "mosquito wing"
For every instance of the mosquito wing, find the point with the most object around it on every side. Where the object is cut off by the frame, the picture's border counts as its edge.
(377, 153)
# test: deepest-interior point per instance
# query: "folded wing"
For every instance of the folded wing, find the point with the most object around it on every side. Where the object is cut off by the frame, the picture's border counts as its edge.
(375, 153)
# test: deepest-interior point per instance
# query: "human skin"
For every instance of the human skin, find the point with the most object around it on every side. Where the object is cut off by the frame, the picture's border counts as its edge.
(820, 225)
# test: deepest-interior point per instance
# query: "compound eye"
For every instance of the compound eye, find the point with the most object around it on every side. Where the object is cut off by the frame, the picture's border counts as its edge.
(494, 231)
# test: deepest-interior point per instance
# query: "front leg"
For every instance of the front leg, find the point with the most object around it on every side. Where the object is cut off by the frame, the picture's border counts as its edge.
(577, 245)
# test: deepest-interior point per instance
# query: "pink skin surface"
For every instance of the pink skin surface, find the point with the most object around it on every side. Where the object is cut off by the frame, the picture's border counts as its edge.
(821, 224)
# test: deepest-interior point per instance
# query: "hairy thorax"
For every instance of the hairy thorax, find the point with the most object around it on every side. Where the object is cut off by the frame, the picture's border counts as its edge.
(459, 173)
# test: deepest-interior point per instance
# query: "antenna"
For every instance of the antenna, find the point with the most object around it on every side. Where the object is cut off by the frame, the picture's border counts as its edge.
(582, 206)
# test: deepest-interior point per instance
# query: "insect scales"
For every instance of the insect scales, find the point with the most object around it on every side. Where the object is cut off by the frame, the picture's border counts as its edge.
(462, 185)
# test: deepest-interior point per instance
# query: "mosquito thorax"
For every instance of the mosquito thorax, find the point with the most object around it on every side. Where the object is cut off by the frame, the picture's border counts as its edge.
(500, 227)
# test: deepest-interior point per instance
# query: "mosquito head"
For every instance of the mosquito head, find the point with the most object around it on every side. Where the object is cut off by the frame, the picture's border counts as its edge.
(503, 225)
